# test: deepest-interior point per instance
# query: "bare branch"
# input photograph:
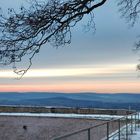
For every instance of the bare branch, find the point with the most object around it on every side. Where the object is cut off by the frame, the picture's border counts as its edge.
(25, 32)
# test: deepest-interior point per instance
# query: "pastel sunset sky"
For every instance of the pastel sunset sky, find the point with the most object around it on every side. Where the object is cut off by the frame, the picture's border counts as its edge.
(102, 62)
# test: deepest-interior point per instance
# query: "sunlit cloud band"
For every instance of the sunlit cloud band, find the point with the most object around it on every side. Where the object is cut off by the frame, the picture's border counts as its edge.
(79, 71)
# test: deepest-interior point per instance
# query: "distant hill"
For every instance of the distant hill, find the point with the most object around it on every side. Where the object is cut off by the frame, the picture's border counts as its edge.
(94, 100)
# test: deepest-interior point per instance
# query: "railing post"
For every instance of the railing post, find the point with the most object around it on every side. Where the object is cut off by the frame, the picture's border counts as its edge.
(119, 130)
(138, 119)
(107, 131)
(126, 128)
(131, 124)
(135, 123)
(89, 134)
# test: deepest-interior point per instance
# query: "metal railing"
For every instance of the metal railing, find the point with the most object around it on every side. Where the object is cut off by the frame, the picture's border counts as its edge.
(116, 129)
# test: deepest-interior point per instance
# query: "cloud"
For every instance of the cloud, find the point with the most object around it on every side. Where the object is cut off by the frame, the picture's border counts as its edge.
(83, 71)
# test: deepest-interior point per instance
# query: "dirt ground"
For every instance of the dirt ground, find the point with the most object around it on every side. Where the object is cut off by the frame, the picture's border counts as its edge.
(45, 128)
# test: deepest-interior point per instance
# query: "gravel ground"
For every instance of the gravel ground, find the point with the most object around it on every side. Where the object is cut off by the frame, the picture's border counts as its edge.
(41, 128)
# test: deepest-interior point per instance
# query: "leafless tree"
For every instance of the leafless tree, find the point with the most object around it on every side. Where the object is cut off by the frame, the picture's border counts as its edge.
(130, 10)
(49, 21)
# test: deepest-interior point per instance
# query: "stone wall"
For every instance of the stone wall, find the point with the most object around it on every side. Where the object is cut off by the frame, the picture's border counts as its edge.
(64, 110)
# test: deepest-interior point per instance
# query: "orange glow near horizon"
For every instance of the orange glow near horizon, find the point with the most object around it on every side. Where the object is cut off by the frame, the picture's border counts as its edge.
(114, 87)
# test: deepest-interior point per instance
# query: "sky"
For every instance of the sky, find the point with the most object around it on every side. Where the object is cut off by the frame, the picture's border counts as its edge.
(102, 62)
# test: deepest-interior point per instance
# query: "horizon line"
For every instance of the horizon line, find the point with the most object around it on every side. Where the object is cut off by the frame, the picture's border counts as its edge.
(53, 92)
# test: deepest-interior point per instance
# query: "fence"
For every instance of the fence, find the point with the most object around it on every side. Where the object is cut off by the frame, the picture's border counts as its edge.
(116, 129)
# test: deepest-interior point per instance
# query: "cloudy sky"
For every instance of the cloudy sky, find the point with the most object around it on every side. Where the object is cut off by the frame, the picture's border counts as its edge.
(102, 62)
